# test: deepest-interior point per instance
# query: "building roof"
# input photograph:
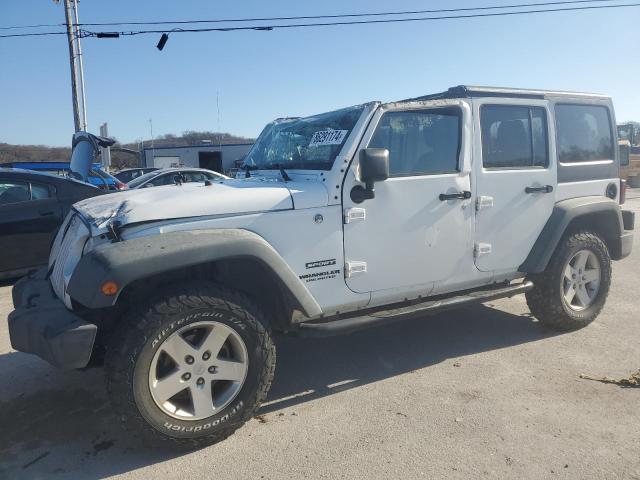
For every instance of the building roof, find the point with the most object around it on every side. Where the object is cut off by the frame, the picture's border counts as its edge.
(469, 91)
(200, 145)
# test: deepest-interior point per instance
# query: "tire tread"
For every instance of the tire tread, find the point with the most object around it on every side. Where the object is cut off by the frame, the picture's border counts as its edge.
(142, 320)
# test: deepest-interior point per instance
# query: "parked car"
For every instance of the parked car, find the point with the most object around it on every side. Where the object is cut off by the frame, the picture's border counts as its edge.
(97, 176)
(32, 207)
(167, 176)
(344, 220)
(129, 174)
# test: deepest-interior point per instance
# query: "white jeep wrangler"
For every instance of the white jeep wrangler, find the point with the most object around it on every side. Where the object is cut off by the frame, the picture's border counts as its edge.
(339, 221)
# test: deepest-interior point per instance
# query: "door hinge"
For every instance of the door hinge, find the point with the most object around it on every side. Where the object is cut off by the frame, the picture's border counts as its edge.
(481, 249)
(354, 268)
(484, 201)
(355, 214)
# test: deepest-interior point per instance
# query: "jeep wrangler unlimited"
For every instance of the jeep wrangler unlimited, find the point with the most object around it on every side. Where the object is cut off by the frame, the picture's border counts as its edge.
(339, 221)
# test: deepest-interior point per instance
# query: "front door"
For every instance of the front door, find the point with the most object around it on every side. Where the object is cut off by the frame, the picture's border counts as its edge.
(515, 179)
(409, 237)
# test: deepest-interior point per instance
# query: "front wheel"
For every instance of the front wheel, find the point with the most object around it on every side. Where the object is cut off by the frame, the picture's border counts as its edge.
(191, 366)
(573, 289)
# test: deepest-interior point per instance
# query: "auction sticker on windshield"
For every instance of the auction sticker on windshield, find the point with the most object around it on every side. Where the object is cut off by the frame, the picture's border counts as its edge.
(328, 137)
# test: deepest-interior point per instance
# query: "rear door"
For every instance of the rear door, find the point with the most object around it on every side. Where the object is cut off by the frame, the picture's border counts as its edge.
(515, 179)
(29, 218)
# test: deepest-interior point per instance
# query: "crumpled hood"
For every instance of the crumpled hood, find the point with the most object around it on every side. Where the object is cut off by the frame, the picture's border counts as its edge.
(227, 197)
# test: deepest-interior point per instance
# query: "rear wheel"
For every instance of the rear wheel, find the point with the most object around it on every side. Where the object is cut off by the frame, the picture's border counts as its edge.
(573, 289)
(192, 365)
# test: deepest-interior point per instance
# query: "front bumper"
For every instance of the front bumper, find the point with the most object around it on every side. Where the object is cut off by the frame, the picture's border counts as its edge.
(42, 325)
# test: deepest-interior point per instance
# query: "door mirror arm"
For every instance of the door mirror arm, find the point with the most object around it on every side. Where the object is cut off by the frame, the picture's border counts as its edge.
(374, 167)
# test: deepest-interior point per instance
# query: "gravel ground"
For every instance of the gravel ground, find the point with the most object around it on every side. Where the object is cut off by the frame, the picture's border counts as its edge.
(481, 392)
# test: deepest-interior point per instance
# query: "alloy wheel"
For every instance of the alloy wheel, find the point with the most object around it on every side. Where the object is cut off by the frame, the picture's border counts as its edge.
(198, 370)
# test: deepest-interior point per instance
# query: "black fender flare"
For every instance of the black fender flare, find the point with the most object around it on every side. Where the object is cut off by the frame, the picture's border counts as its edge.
(564, 213)
(138, 258)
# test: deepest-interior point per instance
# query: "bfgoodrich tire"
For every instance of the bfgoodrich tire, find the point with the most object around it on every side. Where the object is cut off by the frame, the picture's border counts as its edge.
(571, 292)
(191, 366)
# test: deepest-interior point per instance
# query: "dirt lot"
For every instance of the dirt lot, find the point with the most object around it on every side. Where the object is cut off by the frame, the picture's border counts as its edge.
(478, 393)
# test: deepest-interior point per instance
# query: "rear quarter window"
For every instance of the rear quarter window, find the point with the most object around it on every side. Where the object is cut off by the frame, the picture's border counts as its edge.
(584, 133)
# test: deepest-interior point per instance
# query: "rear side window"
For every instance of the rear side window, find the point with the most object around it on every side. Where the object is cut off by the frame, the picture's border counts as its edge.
(584, 133)
(17, 191)
(514, 136)
(39, 192)
(420, 142)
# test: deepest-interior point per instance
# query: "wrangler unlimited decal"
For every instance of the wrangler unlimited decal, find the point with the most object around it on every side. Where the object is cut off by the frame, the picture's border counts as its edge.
(313, 277)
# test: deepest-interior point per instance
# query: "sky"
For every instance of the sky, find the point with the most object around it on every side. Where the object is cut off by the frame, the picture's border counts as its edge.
(256, 76)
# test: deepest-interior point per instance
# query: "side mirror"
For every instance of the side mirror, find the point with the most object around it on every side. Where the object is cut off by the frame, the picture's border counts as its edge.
(374, 167)
(625, 151)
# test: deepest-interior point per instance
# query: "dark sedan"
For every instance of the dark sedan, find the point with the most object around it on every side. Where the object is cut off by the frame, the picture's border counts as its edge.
(32, 207)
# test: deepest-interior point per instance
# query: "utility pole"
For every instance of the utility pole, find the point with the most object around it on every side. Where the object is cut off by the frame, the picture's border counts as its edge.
(72, 63)
(76, 29)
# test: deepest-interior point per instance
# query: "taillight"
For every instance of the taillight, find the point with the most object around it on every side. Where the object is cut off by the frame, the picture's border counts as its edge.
(623, 191)
(121, 186)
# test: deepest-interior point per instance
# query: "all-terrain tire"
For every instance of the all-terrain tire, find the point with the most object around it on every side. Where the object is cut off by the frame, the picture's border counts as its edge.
(546, 300)
(129, 351)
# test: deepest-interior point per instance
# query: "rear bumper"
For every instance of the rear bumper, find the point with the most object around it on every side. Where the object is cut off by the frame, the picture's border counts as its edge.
(43, 326)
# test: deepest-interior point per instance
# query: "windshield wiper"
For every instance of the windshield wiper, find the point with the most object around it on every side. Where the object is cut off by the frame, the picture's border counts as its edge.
(283, 172)
(247, 169)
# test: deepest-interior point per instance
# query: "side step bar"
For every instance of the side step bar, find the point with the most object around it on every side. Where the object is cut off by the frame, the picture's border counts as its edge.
(340, 326)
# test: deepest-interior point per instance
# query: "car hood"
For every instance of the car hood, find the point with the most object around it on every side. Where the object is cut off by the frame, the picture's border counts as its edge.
(223, 198)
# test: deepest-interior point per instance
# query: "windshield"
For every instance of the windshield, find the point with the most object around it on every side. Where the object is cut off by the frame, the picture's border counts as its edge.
(142, 178)
(310, 143)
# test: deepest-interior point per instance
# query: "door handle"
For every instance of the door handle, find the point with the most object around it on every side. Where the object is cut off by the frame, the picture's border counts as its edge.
(545, 189)
(455, 196)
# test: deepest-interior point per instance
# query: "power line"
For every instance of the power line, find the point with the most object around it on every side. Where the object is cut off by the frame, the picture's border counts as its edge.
(36, 34)
(361, 22)
(88, 33)
(346, 15)
(16, 27)
(316, 17)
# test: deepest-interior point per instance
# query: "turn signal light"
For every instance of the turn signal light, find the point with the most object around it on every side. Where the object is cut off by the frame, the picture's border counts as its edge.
(109, 288)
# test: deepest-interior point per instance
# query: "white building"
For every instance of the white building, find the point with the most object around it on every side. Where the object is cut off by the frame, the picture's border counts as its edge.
(219, 158)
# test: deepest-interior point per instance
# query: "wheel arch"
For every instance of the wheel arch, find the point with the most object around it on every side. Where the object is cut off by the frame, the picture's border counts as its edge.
(237, 258)
(597, 214)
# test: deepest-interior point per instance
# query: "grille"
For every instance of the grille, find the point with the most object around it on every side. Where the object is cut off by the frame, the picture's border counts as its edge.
(67, 255)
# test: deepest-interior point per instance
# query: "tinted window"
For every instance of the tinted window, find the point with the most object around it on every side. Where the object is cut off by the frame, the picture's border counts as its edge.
(13, 192)
(513, 136)
(39, 192)
(420, 142)
(584, 133)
